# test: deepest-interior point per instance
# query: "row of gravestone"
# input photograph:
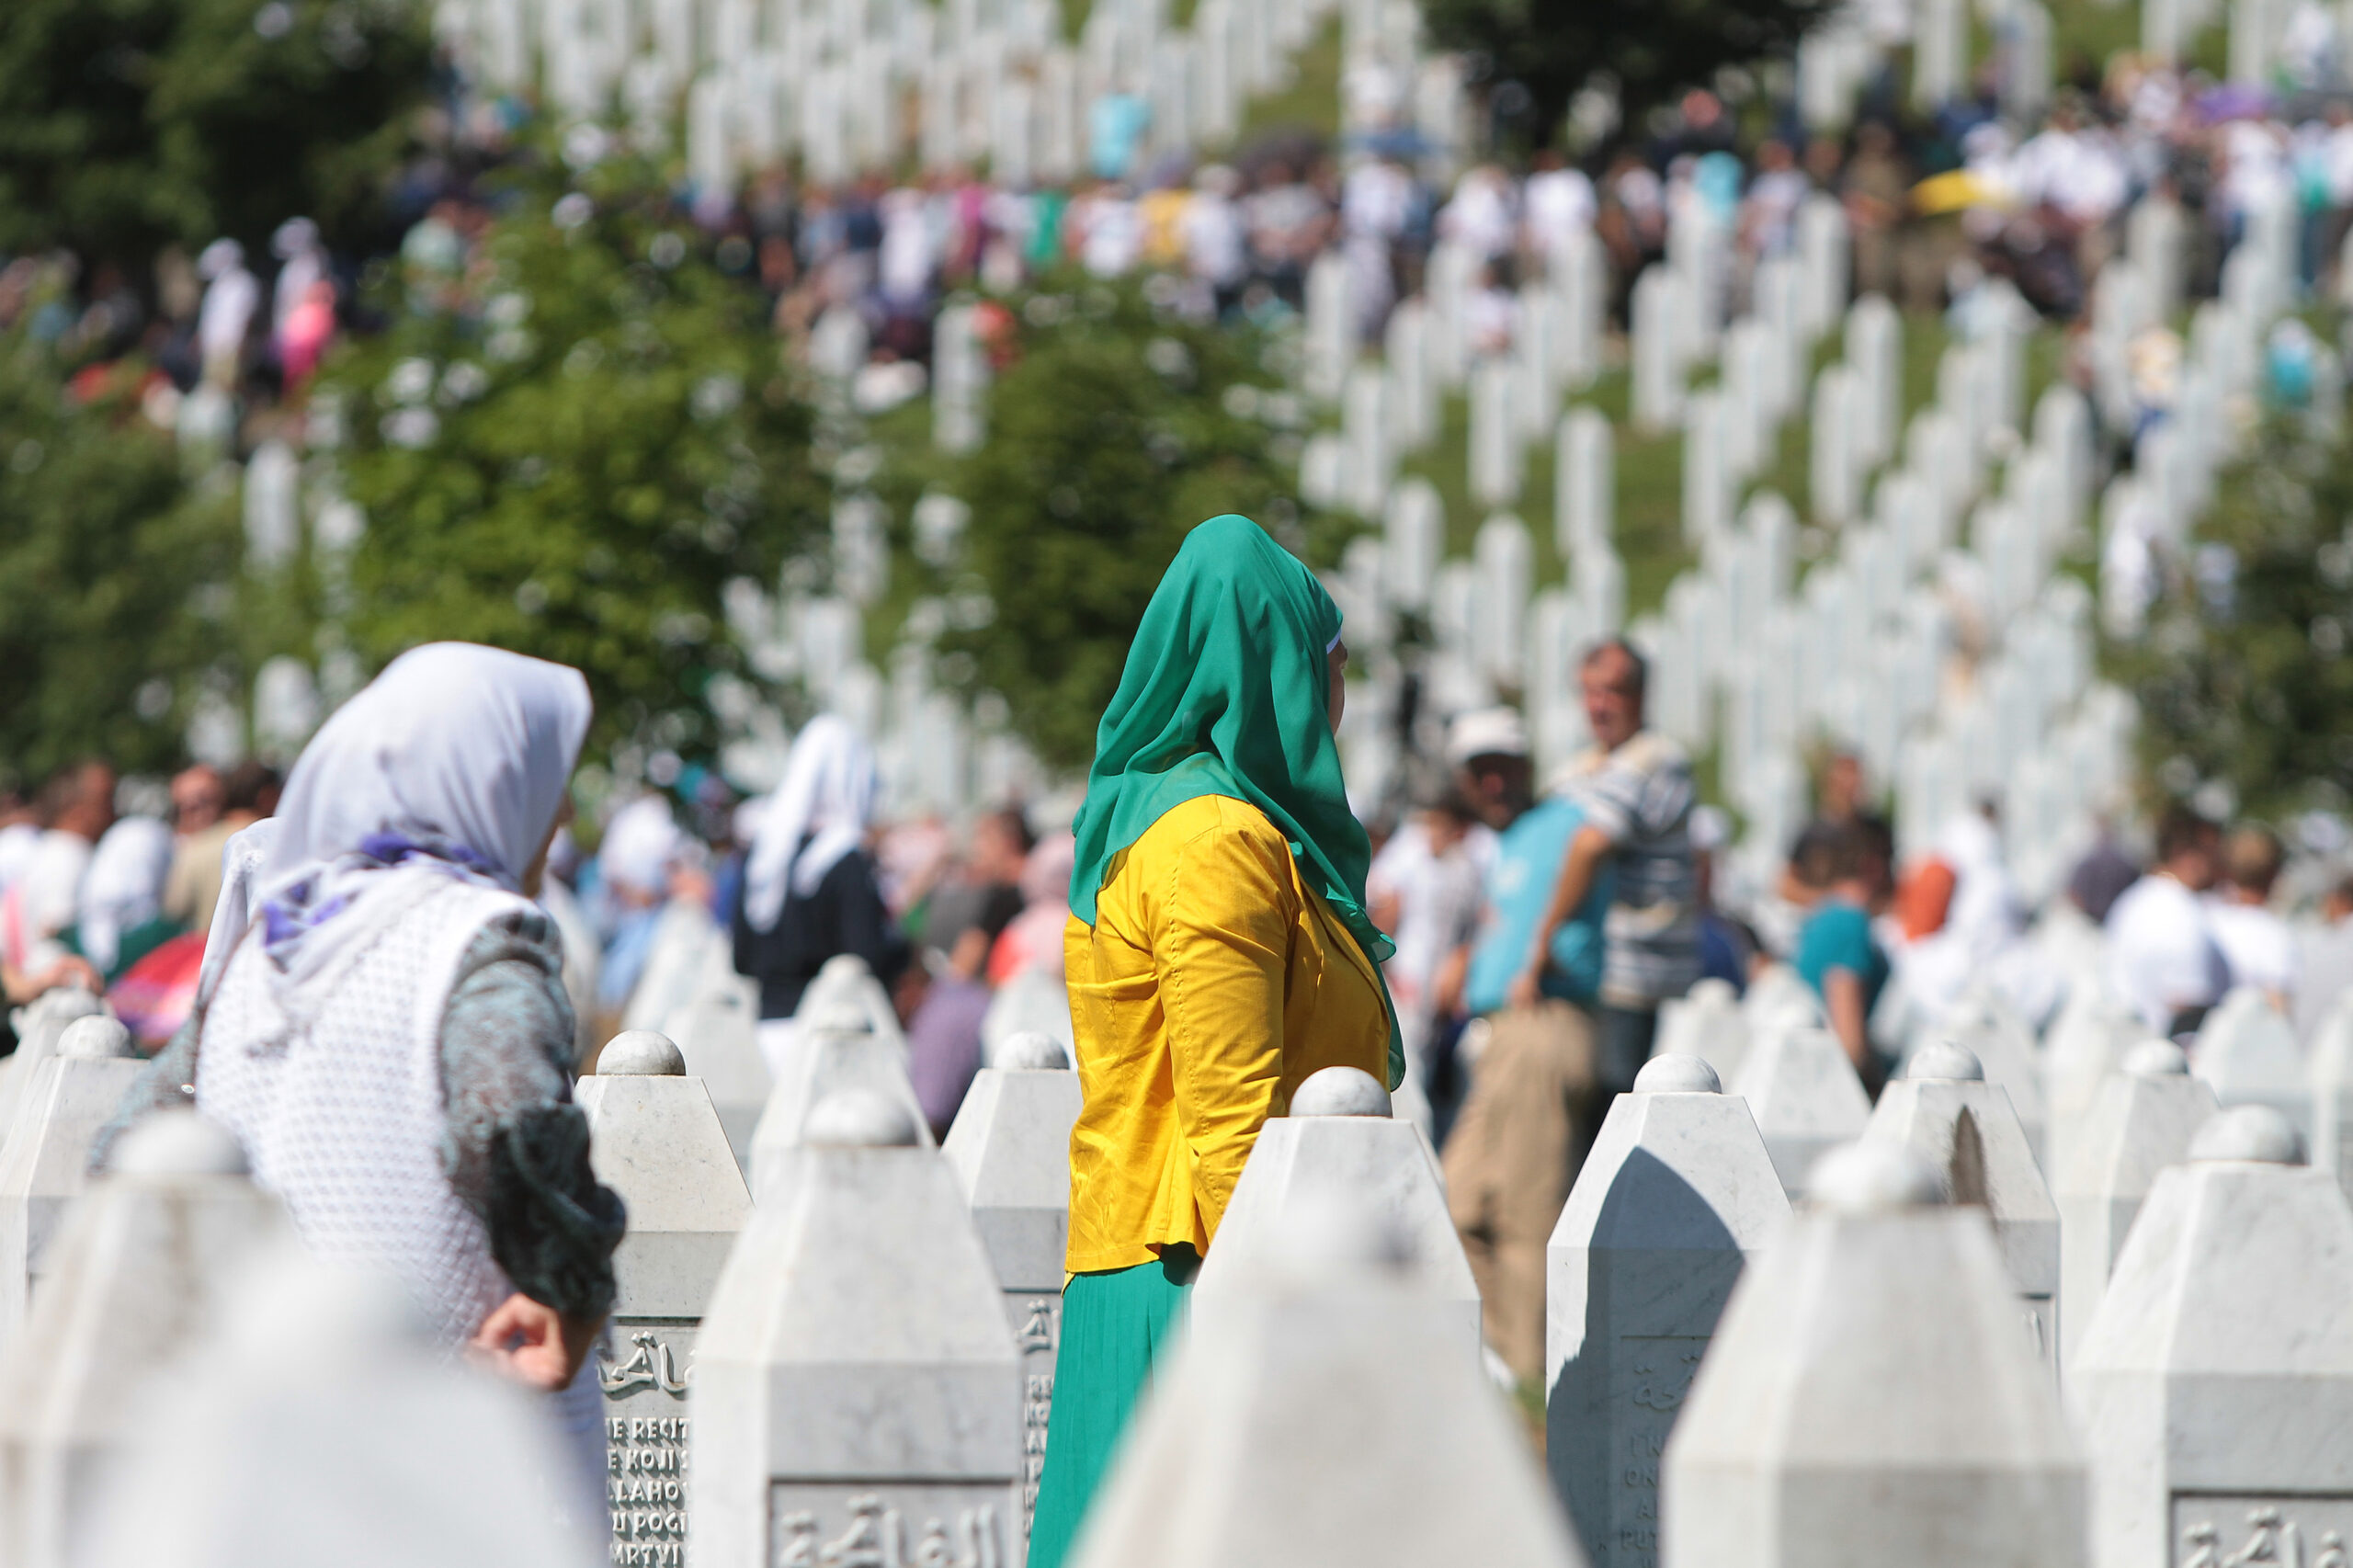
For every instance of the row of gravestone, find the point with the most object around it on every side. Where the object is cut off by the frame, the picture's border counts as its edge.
(854, 1335)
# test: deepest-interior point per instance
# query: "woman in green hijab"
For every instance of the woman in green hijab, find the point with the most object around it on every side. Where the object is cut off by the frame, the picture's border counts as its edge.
(1218, 954)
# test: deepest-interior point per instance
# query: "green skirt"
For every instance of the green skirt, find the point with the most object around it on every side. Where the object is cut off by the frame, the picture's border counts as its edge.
(1114, 1326)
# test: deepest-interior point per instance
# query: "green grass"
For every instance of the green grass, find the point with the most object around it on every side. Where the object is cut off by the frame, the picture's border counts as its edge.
(1313, 98)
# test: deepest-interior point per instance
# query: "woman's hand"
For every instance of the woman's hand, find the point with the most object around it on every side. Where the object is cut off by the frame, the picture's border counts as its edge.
(534, 1344)
(20, 987)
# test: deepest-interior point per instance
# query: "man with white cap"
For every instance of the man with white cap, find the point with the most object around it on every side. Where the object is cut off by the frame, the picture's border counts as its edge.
(1513, 1152)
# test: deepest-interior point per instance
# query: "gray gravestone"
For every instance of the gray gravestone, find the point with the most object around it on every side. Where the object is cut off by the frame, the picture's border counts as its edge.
(1010, 1147)
(43, 1165)
(717, 1034)
(1805, 1097)
(1339, 1139)
(1988, 1028)
(38, 1024)
(1945, 1112)
(832, 1050)
(2246, 1050)
(2142, 1122)
(1868, 1398)
(856, 1391)
(657, 1140)
(140, 1271)
(1326, 1418)
(2085, 1048)
(1676, 1196)
(2215, 1383)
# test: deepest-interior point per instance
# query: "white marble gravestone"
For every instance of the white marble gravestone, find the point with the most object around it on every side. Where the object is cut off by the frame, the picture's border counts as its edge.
(1675, 1197)
(1986, 1027)
(1010, 1147)
(832, 1050)
(318, 1426)
(38, 1024)
(2085, 1046)
(845, 977)
(655, 1138)
(1325, 1419)
(1805, 1095)
(857, 1393)
(2141, 1121)
(42, 1164)
(2332, 1076)
(138, 1272)
(1339, 1139)
(1707, 1022)
(1779, 994)
(2215, 1383)
(2246, 1048)
(1944, 1111)
(1868, 1398)
(717, 1036)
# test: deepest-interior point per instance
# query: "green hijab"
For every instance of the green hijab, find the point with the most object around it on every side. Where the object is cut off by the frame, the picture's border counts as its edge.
(1226, 693)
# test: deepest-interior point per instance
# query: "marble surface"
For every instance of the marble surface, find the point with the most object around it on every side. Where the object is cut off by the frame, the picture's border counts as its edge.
(1805, 1095)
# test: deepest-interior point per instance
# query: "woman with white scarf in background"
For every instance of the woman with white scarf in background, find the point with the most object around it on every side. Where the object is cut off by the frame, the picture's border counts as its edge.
(809, 891)
(390, 1038)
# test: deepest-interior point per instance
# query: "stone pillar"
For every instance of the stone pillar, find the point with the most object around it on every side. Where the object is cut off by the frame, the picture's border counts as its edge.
(832, 1051)
(2141, 1121)
(2085, 1048)
(2216, 1382)
(1804, 1094)
(1945, 1113)
(658, 1140)
(1340, 1144)
(1010, 1150)
(2246, 1050)
(1584, 486)
(856, 1395)
(66, 1100)
(2332, 1073)
(141, 1268)
(1325, 1415)
(1869, 1399)
(1985, 1024)
(1706, 1022)
(39, 1024)
(717, 1036)
(1675, 1197)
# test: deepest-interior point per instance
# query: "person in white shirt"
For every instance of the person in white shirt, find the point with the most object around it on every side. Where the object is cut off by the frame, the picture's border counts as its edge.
(2256, 943)
(232, 294)
(2162, 960)
(1560, 205)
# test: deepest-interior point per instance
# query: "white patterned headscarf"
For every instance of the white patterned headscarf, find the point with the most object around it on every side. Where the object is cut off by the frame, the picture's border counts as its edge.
(826, 799)
(452, 764)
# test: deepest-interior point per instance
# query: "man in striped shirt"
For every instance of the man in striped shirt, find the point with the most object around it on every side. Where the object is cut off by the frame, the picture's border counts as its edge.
(1635, 786)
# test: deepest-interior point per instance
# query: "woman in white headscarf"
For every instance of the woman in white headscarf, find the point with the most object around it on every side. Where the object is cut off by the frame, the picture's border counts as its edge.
(121, 904)
(390, 1037)
(810, 892)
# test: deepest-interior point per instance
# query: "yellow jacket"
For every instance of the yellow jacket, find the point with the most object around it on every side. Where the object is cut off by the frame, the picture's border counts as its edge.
(1212, 983)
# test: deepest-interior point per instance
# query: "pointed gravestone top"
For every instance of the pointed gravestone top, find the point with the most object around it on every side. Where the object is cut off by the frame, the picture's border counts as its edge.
(140, 1270)
(1339, 1353)
(855, 1376)
(1032, 1051)
(319, 1387)
(2142, 1122)
(641, 1054)
(2247, 1051)
(1340, 1144)
(94, 1039)
(1869, 1396)
(44, 1162)
(1674, 1198)
(1990, 1029)
(833, 1051)
(2216, 1380)
(1965, 1128)
(1805, 1095)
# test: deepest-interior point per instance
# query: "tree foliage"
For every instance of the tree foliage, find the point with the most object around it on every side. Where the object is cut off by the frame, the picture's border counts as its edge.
(1650, 49)
(572, 454)
(126, 124)
(1116, 427)
(2243, 676)
(115, 575)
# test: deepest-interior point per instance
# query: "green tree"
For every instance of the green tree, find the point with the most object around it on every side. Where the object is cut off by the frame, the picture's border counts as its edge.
(1650, 49)
(2243, 676)
(1116, 429)
(116, 576)
(572, 456)
(126, 124)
